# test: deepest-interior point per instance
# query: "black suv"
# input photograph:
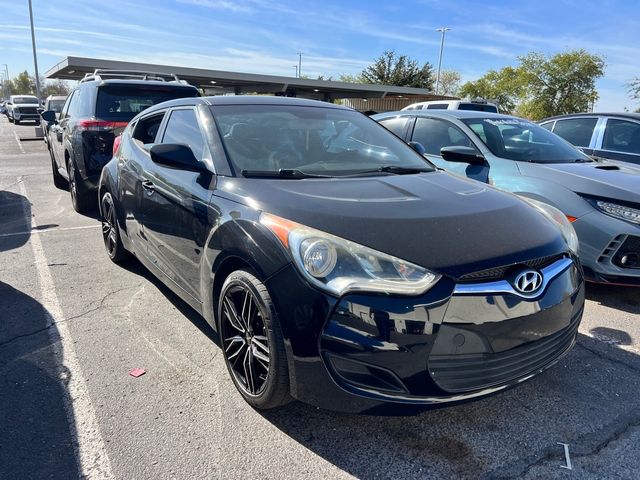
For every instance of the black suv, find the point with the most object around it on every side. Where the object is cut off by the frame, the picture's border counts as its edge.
(81, 140)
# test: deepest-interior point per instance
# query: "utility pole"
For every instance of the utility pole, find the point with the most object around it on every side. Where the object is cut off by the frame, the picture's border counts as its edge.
(296, 67)
(6, 74)
(299, 72)
(35, 58)
(442, 30)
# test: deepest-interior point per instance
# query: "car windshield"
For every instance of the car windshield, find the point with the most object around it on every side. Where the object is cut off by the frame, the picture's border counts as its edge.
(311, 140)
(516, 139)
(56, 105)
(18, 100)
(125, 101)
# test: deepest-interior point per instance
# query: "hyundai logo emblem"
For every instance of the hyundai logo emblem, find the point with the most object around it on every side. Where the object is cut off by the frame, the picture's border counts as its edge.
(528, 281)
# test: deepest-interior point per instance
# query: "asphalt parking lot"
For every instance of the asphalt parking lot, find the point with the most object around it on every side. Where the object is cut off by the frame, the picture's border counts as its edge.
(72, 326)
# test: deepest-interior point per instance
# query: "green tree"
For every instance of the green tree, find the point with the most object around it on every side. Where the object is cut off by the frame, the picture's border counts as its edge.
(449, 82)
(503, 86)
(348, 78)
(400, 70)
(53, 88)
(23, 84)
(561, 84)
(540, 86)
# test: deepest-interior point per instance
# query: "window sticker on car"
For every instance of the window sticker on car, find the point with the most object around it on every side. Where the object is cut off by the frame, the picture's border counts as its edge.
(505, 121)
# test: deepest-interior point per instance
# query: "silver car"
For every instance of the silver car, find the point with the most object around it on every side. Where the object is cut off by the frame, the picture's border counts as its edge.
(600, 198)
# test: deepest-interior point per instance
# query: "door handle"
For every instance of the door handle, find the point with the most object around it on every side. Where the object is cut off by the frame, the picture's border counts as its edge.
(148, 186)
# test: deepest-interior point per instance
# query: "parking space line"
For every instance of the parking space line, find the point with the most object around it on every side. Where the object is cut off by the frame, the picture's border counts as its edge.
(15, 134)
(90, 449)
(46, 230)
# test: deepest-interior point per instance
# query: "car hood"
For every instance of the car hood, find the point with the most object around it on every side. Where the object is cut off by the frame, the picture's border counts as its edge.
(443, 222)
(601, 179)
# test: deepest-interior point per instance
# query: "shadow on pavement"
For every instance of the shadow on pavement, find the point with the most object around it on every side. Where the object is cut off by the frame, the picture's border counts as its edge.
(15, 220)
(36, 439)
(626, 299)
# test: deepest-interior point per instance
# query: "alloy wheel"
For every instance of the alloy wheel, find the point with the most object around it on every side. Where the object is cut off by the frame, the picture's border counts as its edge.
(109, 232)
(245, 340)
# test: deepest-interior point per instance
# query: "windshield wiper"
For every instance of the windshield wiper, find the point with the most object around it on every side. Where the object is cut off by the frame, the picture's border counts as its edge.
(395, 169)
(292, 173)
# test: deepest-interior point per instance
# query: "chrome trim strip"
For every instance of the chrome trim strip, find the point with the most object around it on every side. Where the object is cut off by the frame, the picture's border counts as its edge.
(503, 287)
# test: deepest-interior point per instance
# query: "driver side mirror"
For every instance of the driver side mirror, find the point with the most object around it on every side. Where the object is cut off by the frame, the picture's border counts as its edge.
(462, 154)
(49, 116)
(177, 156)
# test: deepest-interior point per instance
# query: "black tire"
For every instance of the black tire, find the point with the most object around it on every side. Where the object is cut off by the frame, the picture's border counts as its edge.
(16, 122)
(244, 301)
(82, 198)
(58, 180)
(110, 232)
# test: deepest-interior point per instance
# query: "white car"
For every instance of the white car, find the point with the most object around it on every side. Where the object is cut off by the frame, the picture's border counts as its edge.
(475, 105)
(23, 107)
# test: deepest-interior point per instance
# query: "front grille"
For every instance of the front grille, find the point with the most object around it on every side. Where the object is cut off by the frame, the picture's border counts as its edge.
(27, 110)
(461, 373)
(498, 273)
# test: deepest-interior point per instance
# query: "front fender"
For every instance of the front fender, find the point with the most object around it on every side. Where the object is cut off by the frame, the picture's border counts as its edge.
(237, 240)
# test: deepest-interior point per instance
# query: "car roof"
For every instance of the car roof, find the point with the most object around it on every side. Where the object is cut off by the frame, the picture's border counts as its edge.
(633, 116)
(459, 114)
(244, 100)
(56, 97)
(121, 81)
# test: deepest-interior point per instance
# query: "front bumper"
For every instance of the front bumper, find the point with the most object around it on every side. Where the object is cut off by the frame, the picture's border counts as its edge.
(603, 241)
(26, 116)
(377, 354)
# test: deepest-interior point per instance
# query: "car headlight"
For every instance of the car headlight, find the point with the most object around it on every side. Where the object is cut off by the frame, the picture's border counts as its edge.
(618, 211)
(339, 266)
(560, 219)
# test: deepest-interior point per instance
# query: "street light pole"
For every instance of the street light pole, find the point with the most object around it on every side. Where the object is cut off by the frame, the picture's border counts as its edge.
(299, 74)
(442, 30)
(6, 74)
(296, 67)
(35, 58)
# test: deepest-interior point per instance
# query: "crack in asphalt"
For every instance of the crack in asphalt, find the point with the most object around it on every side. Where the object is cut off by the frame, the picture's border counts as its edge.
(65, 320)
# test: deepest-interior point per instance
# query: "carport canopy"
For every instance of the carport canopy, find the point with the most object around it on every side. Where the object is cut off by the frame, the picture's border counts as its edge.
(221, 82)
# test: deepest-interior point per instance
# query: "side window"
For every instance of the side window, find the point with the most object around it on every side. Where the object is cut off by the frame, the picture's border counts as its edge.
(396, 125)
(434, 134)
(65, 109)
(622, 136)
(547, 125)
(83, 103)
(146, 130)
(577, 131)
(183, 128)
(74, 105)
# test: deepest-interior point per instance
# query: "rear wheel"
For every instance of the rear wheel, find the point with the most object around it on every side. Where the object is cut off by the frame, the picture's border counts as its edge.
(58, 180)
(110, 232)
(82, 198)
(252, 341)
(16, 122)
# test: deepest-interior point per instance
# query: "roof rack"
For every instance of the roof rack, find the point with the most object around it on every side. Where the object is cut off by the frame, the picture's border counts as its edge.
(102, 74)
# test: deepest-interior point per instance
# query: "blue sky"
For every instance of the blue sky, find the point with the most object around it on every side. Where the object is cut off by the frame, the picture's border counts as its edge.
(336, 37)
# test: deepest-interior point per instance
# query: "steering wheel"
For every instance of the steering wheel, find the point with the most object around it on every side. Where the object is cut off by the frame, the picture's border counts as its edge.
(285, 157)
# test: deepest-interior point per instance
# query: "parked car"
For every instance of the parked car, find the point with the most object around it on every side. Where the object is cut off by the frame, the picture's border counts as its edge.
(22, 108)
(613, 136)
(3, 107)
(336, 265)
(602, 199)
(474, 105)
(55, 103)
(80, 141)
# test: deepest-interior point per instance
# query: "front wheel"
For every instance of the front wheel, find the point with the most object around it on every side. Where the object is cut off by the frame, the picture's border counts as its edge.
(110, 232)
(252, 341)
(58, 180)
(16, 122)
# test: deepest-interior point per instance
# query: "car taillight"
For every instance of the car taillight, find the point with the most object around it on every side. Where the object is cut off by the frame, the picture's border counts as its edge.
(99, 125)
(116, 144)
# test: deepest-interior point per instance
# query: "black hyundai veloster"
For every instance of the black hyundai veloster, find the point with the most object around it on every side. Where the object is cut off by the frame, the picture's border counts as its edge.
(337, 266)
